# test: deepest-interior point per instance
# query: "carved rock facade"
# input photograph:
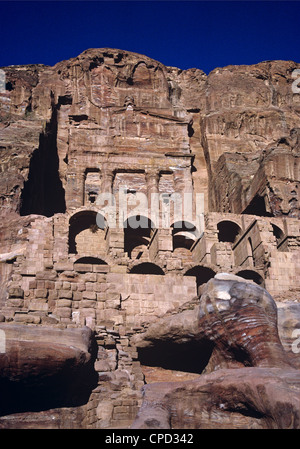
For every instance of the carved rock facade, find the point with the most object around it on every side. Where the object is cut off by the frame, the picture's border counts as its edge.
(121, 124)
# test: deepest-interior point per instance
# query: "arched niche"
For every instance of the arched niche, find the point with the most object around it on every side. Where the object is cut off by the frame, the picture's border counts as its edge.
(141, 76)
(183, 235)
(138, 230)
(228, 231)
(278, 233)
(147, 268)
(90, 261)
(87, 233)
(92, 185)
(252, 275)
(202, 275)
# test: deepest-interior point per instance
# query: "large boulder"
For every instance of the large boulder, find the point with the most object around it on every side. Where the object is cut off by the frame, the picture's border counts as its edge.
(225, 399)
(235, 320)
(42, 367)
(248, 381)
(240, 318)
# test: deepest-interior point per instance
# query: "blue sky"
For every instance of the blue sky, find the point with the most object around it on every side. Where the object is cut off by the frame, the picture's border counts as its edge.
(185, 34)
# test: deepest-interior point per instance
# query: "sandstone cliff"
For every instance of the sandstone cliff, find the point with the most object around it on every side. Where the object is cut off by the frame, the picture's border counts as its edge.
(111, 121)
(238, 121)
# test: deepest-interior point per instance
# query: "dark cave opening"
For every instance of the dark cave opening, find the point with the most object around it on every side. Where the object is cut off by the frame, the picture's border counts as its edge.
(202, 275)
(246, 410)
(228, 231)
(137, 231)
(43, 193)
(20, 397)
(257, 207)
(90, 260)
(68, 387)
(79, 222)
(252, 275)
(129, 81)
(190, 130)
(147, 268)
(9, 86)
(189, 357)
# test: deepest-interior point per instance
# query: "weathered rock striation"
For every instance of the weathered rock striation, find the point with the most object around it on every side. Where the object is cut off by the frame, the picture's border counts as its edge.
(236, 321)
(245, 398)
(100, 154)
(45, 367)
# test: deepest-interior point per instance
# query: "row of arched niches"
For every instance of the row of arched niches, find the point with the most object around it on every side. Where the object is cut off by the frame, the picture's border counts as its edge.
(88, 242)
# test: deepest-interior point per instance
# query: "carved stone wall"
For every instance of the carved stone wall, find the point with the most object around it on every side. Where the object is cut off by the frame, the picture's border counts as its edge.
(111, 122)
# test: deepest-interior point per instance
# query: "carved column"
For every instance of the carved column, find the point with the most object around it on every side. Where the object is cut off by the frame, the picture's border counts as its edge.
(75, 189)
(178, 181)
(183, 180)
(152, 179)
(184, 188)
(188, 181)
(107, 180)
(106, 203)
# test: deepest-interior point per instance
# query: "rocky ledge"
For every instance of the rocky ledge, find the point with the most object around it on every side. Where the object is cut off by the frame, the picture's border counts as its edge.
(248, 379)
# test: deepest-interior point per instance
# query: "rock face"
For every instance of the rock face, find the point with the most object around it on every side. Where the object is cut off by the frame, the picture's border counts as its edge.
(237, 320)
(247, 398)
(239, 117)
(125, 186)
(45, 367)
(288, 323)
(240, 318)
(239, 121)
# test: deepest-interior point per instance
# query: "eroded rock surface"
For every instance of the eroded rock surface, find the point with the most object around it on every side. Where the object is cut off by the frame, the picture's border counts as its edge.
(239, 122)
(114, 122)
(42, 368)
(243, 398)
(235, 319)
(236, 323)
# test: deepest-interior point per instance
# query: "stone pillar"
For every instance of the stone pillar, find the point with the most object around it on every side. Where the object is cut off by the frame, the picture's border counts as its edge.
(107, 180)
(187, 179)
(75, 189)
(178, 181)
(184, 189)
(183, 181)
(152, 179)
(105, 201)
(115, 242)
